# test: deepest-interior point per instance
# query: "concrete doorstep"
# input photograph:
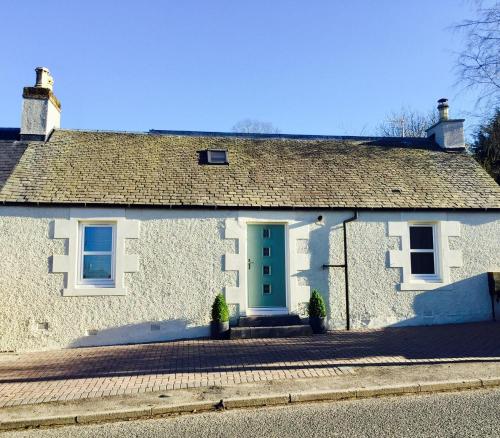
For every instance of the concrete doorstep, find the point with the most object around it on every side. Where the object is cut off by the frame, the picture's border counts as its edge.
(157, 408)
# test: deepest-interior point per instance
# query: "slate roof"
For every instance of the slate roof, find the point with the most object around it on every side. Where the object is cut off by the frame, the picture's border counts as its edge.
(276, 171)
(9, 133)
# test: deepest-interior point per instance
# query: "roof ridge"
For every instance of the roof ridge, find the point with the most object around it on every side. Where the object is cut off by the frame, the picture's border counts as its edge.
(279, 135)
(100, 131)
(188, 133)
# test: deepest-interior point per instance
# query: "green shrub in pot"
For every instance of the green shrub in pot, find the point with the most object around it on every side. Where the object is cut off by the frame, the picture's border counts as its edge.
(317, 312)
(219, 326)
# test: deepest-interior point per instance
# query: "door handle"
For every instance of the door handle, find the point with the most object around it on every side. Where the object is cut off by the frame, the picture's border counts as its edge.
(250, 263)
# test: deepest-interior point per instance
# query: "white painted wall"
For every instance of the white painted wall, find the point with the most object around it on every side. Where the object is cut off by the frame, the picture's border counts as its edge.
(376, 298)
(182, 265)
(39, 117)
(449, 134)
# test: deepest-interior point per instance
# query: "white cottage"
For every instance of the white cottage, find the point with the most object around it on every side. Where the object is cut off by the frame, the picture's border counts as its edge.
(117, 237)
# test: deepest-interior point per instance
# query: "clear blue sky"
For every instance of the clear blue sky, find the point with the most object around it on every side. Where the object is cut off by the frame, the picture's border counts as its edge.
(313, 67)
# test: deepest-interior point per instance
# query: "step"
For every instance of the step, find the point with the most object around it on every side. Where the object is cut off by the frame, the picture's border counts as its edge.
(269, 321)
(281, 331)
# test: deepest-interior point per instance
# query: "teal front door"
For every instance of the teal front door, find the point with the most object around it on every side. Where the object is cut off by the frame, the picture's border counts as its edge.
(266, 266)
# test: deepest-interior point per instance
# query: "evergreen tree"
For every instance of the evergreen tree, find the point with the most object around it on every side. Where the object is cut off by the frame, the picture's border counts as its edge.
(486, 146)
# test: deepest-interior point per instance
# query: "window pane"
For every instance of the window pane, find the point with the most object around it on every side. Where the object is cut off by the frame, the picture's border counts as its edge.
(97, 267)
(422, 263)
(421, 238)
(266, 252)
(217, 156)
(266, 289)
(266, 270)
(98, 239)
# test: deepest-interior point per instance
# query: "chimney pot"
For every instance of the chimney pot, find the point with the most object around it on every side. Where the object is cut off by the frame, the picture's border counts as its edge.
(43, 78)
(443, 109)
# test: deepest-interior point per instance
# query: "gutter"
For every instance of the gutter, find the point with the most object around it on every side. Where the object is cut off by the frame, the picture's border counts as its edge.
(234, 207)
(346, 269)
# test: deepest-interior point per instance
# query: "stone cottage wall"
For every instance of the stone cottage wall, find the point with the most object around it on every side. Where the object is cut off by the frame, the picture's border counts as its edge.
(187, 256)
(376, 298)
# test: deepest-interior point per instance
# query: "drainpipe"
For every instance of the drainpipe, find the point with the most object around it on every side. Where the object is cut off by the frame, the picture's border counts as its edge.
(494, 287)
(346, 269)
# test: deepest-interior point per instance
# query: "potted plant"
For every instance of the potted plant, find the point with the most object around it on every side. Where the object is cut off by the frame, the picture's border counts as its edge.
(317, 312)
(219, 326)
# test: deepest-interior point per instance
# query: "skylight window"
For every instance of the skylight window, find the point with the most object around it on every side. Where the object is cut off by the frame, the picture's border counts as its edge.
(217, 156)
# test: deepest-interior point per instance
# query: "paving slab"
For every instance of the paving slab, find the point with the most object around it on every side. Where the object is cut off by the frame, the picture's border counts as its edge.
(91, 373)
(367, 382)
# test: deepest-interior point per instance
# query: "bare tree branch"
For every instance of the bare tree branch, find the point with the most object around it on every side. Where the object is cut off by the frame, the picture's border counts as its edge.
(478, 65)
(251, 126)
(406, 122)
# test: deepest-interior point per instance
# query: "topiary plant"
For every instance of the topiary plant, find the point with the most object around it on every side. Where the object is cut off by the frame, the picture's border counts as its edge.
(220, 312)
(317, 308)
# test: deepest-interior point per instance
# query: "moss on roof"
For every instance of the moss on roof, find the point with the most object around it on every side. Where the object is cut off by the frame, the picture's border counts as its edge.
(88, 167)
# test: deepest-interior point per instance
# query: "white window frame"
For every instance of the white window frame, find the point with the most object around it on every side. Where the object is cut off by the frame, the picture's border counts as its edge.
(436, 277)
(445, 258)
(69, 263)
(107, 282)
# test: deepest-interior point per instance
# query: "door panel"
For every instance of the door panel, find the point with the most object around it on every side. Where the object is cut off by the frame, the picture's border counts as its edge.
(266, 265)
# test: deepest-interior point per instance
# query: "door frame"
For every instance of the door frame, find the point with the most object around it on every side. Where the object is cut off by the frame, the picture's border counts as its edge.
(256, 311)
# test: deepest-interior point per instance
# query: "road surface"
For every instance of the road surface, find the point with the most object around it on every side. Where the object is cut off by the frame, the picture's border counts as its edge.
(460, 414)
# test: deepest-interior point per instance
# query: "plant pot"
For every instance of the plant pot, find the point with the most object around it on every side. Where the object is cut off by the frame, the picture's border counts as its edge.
(219, 329)
(318, 324)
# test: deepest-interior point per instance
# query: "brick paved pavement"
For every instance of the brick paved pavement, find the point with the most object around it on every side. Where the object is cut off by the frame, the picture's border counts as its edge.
(102, 371)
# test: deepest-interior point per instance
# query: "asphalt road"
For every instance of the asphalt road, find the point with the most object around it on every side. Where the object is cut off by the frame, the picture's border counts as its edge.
(462, 414)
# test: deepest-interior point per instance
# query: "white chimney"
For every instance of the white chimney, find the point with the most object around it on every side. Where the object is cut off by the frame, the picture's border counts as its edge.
(447, 133)
(41, 109)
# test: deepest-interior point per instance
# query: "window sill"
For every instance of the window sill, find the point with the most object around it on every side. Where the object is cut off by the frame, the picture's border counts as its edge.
(425, 286)
(94, 292)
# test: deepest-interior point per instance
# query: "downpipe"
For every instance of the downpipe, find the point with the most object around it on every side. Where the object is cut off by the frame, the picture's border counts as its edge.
(346, 269)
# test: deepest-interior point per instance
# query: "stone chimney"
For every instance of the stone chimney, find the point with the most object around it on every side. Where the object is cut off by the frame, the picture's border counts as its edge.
(447, 133)
(41, 109)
